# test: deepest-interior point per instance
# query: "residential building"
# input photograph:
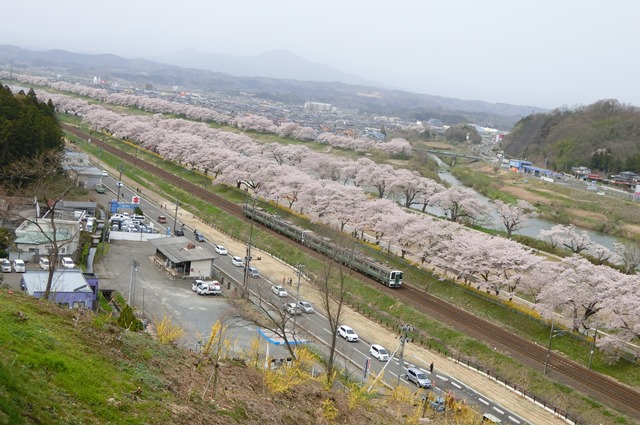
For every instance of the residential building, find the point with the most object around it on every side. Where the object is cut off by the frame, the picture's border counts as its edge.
(69, 287)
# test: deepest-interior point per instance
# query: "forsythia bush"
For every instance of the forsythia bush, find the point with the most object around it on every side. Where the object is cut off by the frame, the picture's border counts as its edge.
(167, 332)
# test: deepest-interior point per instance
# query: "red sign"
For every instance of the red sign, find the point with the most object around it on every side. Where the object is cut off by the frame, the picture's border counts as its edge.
(135, 200)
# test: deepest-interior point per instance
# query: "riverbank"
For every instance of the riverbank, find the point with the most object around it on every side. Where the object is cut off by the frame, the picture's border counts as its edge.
(564, 202)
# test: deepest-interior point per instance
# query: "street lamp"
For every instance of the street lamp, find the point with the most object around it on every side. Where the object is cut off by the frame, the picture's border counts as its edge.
(119, 183)
(405, 329)
(175, 216)
(299, 270)
(551, 335)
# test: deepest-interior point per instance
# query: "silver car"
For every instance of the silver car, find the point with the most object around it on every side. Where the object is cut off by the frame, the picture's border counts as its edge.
(418, 377)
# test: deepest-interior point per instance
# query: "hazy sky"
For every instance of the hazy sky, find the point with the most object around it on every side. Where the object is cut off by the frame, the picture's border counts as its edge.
(543, 53)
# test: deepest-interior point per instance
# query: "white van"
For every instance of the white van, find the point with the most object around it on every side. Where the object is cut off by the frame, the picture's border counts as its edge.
(91, 223)
(379, 352)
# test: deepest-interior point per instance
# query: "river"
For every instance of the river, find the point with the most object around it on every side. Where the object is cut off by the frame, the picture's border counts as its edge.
(534, 226)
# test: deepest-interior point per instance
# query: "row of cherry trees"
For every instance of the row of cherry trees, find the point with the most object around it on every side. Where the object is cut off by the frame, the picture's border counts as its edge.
(339, 192)
(253, 122)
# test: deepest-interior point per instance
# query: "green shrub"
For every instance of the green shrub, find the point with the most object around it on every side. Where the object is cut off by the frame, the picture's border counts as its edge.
(128, 320)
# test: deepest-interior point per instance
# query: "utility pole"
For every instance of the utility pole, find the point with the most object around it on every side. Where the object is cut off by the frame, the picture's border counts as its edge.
(404, 329)
(247, 259)
(119, 183)
(551, 335)
(175, 216)
(299, 269)
(593, 346)
(132, 282)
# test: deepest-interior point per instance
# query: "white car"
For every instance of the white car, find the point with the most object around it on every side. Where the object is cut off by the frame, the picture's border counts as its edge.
(44, 263)
(18, 266)
(119, 184)
(67, 263)
(105, 174)
(306, 306)
(379, 352)
(221, 250)
(6, 265)
(347, 333)
(279, 291)
(237, 261)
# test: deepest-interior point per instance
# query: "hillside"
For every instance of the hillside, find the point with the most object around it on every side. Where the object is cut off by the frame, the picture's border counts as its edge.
(63, 366)
(562, 139)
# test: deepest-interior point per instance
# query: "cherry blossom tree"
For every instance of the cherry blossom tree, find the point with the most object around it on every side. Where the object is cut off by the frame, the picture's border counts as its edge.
(406, 185)
(374, 176)
(460, 203)
(578, 292)
(514, 216)
(568, 237)
(629, 255)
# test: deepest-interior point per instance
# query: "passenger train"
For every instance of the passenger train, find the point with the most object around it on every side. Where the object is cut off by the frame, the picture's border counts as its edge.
(350, 258)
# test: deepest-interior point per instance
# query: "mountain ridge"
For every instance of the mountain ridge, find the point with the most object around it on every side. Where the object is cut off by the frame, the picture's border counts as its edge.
(361, 98)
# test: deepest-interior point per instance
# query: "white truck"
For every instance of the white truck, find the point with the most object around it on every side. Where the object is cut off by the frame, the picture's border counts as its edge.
(209, 288)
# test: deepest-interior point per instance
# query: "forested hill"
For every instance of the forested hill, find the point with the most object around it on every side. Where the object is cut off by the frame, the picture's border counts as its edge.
(604, 136)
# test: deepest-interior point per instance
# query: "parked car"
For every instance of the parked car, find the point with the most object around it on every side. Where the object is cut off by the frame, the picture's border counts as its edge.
(221, 250)
(44, 263)
(418, 377)
(347, 333)
(6, 265)
(105, 174)
(179, 232)
(292, 308)
(209, 288)
(119, 184)
(253, 272)
(199, 236)
(379, 352)
(19, 266)
(279, 291)
(306, 306)
(195, 284)
(237, 261)
(67, 263)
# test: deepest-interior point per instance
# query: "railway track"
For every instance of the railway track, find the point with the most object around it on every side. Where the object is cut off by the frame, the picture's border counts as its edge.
(600, 387)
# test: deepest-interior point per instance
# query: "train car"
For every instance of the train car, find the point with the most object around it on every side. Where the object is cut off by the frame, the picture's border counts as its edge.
(356, 261)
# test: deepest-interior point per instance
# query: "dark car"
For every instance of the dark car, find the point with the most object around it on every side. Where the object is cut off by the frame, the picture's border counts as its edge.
(199, 236)
(179, 232)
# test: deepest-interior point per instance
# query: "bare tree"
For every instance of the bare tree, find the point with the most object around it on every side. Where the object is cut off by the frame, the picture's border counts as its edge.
(44, 180)
(277, 319)
(332, 302)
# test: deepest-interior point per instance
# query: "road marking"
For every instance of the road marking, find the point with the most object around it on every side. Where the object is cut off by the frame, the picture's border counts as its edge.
(455, 384)
(483, 401)
(514, 420)
(498, 410)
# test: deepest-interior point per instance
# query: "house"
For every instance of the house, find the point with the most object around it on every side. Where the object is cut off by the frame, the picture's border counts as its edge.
(80, 169)
(69, 287)
(182, 258)
(35, 235)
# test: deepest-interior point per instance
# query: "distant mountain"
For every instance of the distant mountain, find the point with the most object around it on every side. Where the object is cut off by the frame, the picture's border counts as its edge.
(272, 64)
(362, 97)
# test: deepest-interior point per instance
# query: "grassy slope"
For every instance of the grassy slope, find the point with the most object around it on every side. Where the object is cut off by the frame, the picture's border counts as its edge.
(60, 366)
